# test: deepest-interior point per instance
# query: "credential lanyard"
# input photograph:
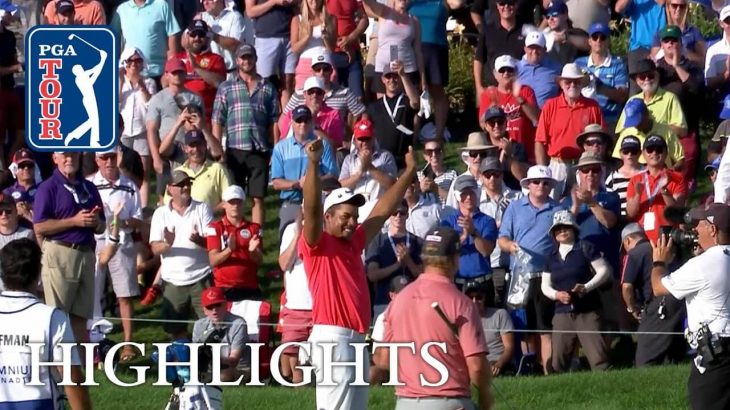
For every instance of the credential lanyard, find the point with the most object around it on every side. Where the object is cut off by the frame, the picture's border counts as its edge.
(394, 112)
(650, 195)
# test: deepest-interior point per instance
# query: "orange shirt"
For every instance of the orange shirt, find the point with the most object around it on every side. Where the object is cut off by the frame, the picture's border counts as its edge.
(410, 318)
(238, 271)
(651, 203)
(86, 12)
(337, 281)
(560, 124)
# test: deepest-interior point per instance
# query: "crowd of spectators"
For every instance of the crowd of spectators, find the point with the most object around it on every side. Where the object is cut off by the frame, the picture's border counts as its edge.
(578, 154)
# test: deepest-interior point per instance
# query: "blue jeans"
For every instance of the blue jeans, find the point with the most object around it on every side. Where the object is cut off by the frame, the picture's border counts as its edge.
(349, 74)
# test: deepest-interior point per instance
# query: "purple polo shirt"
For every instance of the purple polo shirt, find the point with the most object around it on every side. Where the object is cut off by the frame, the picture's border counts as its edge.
(58, 198)
(20, 194)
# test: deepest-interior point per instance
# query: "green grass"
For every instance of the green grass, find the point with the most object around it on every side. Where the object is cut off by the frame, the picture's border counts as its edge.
(655, 388)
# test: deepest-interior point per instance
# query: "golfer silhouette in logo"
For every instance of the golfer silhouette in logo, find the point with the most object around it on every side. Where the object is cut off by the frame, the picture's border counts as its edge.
(85, 80)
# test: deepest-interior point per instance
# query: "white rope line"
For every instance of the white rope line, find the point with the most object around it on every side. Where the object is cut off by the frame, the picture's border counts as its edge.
(267, 324)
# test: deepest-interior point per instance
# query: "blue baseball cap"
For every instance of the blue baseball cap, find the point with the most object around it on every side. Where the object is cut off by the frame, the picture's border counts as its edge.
(599, 28)
(8, 7)
(194, 137)
(633, 112)
(493, 112)
(556, 6)
(302, 112)
(725, 113)
(714, 165)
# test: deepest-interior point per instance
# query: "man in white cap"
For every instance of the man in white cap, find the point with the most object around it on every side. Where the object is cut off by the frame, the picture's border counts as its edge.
(562, 118)
(537, 70)
(331, 246)
(235, 249)
(523, 234)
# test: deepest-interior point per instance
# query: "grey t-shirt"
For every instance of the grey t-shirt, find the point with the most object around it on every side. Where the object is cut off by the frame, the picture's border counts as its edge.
(19, 233)
(496, 322)
(164, 108)
(236, 334)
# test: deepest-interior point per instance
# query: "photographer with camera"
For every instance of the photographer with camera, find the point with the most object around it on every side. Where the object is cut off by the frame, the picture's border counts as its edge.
(704, 282)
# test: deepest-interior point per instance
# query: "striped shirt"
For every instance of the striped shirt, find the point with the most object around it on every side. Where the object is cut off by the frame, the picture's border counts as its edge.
(339, 98)
(247, 117)
(443, 181)
(618, 183)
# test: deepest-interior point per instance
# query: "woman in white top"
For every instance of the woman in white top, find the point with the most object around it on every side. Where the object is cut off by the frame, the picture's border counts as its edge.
(312, 31)
(399, 38)
(135, 92)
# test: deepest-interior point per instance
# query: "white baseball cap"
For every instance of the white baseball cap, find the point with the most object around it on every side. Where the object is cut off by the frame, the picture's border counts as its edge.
(724, 13)
(314, 82)
(535, 38)
(537, 172)
(322, 57)
(233, 192)
(504, 61)
(343, 196)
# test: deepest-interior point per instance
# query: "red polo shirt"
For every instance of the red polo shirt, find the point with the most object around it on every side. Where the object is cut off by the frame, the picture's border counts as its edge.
(519, 126)
(238, 271)
(344, 12)
(210, 61)
(656, 206)
(336, 275)
(560, 124)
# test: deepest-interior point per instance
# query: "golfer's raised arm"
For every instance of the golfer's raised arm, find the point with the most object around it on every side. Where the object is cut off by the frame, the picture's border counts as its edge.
(96, 71)
(388, 203)
(312, 190)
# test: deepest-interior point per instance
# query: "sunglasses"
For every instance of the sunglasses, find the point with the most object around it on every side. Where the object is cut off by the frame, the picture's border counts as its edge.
(574, 81)
(26, 165)
(496, 121)
(593, 142)
(134, 61)
(591, 170)
(492, 174)
(322, 68)
(658, 150)
(598, 37)
(391, 77)
(213, 306)
(480, 154)
(670, 40)
(630, 151)
(108, 157)
(506, 70)
(302, 120)
(6, 211)
(315, 91)
(435, 151)
(183, 184)
(365, 139)
(400, 213)
(542, 182)
(198, 34)
(678, 6)
(646, 76)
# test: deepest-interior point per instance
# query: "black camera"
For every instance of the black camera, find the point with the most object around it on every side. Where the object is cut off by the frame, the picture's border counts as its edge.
(708, 348)
(683, 238)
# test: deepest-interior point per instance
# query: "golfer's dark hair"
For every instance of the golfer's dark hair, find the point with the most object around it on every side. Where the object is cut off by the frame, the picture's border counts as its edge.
(20, 263)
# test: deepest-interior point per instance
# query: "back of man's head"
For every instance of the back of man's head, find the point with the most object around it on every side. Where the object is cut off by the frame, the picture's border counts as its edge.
(20, 264)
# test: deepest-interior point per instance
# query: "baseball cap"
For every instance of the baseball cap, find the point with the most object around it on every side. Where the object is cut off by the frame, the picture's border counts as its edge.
(714, 165)
(23, 155)
(301, 112)
(64, 6)
(724, 13)
(630, 141)
(398, 282)
(363, 129)
(179, 177)
(109, 151)
(670, 31)
(194, 137)
(504, 61)
(313, 82)
(245, 50)
(631, 229)
(535, 38)
(717, 214)
(490, 164)
(199, 26)
(323, 57)
(465, 182)
(494, 112)
(441, 241)
(655, 141)
(598, 28)
(556, 6)
(6, 201)
(233, 192)
(212, 296)
(343, 195)
(633, 112)
(725, 113)
(175, 64)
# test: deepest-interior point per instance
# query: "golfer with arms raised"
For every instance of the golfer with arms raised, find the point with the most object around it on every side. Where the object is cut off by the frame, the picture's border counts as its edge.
(331, 250)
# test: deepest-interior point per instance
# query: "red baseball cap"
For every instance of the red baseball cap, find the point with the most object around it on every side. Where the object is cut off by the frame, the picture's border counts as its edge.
(212, 296)
(363, 129)
(174, 64)
(23, 155)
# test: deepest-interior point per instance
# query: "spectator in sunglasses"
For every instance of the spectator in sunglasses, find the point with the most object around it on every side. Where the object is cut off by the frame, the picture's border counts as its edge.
(26, 179)
(538, 71)
(10, 229)
(477, 149)
(82, 12)
(512, 156)
(647, 17)
(435, 178)
(609, 84)
(563, 42)
(618, 180)
(694, 45)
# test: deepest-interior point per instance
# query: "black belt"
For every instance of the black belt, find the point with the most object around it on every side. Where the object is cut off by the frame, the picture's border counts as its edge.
(74, 246)
(476, 279)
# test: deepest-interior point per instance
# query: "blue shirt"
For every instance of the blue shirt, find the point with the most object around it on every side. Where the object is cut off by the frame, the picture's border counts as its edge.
(576, 268)
(432, 15)
(647, 18)
(147, 28)
(471, 263)
(605, 240)
(612, 73)
(289, 161)
(529, 226)
(541, 78)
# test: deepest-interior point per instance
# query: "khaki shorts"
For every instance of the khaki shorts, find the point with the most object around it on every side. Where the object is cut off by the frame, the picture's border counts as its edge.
(68, 279)
(177, 301)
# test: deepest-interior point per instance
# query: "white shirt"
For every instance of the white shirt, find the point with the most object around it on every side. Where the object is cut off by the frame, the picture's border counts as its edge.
(296, 285)
(722, 182)
(704, 282)
(231, 24)
(133, 107)
(185, 263)
(123, 190)
(715, 58)
(425, 215)
(378, 333)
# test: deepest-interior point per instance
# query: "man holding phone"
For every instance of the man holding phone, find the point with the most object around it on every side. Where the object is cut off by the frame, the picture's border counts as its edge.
(67, 212)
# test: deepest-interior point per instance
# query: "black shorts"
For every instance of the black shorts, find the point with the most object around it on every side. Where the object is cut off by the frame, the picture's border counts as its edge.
(250, 170)
(377, 86)
(540, 309)
(436, 63)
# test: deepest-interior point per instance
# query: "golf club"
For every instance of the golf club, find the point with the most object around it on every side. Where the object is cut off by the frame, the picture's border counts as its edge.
(442, 315)
(74, 36)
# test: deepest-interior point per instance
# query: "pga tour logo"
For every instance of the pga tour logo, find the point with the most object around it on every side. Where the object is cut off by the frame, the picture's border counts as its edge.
(71, 88)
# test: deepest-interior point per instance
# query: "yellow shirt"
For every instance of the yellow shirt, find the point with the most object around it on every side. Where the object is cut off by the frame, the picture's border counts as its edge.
(664, 108)
(674, 147)
(209, 183)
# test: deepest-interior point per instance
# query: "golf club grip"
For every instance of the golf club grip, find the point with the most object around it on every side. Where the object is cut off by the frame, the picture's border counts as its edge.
(442, 315)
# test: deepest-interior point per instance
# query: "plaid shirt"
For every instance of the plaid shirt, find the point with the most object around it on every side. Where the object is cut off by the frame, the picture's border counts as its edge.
(247, 117)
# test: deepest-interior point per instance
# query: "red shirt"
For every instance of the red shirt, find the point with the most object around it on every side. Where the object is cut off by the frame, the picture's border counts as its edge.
(337, 281)
(344, 12)
(519, 126)
(410, 318)
(560, 124)
(206, 60)
(656, 206)
(238, 271)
